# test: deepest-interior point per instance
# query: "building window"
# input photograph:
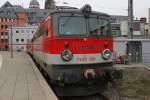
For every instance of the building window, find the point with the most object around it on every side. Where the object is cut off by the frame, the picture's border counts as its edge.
(28, 40)
(22, 48)
(28, 13)
(27, 31)
(6, 47)
(44, 13)
(17, 40)
(14, 20)
(1, 12)
(30, 18)
(2, 26)
(40, 18)
(6, 26)
(2, 40)
(22, 40)
(6, 33)
(2, 20)
(32, 31)
(7, 20)
(2, 33)
(6, 40)
(8, 12)
(33, 13)
(17, 31)
(22, 31)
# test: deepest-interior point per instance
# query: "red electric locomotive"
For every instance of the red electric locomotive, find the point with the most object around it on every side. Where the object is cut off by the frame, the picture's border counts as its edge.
(74, 48)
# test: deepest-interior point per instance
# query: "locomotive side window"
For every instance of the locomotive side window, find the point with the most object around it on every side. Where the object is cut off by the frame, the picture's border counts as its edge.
(47, 27)
(46, 32)
(74, 26)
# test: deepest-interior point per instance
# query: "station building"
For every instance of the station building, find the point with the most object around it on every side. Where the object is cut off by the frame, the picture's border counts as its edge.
(34, 13)
(10, 16)
(135, 50)
(20, 36)
(17, 16)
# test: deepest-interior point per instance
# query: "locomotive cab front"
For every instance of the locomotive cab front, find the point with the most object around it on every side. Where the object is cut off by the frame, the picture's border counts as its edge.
(78, 51)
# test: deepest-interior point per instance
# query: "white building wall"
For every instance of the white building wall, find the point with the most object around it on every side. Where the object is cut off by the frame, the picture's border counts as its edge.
(136, 33)
(149, 20)
(124, 28)
(21, 36)
(146, 52)
(146, 27)
(120, 47)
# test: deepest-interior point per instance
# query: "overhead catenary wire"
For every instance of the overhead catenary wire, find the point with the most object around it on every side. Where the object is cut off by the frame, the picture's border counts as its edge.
(101, 5)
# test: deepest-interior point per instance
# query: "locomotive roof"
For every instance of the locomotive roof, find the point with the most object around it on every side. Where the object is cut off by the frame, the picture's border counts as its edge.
(77, 11)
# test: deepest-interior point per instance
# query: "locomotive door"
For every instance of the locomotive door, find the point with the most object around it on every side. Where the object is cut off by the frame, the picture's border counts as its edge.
(134, 51)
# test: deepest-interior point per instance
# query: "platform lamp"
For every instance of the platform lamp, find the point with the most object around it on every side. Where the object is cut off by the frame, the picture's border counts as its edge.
(11, 41)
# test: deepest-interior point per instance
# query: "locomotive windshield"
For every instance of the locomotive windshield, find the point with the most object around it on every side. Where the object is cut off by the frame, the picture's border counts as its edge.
(74, 26)
(99, 27)
(78, 25)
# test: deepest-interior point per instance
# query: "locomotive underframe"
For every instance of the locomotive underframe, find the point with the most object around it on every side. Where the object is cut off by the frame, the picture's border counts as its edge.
(67, 80)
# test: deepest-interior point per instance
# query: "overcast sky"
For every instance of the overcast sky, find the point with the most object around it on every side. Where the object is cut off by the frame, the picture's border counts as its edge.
(113, 7)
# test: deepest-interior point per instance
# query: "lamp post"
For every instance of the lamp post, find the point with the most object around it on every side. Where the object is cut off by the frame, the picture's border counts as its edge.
(11, 42)
(130, 18)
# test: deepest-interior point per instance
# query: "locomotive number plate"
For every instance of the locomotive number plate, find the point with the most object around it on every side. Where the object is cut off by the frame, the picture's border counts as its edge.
(91, 59)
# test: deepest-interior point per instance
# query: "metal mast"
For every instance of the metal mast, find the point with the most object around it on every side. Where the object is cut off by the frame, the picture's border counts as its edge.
(130, 18)
(49, 4)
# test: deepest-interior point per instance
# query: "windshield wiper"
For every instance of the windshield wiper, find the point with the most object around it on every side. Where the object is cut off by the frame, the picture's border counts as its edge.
(67, 20)
(99, 30)
(94, 31)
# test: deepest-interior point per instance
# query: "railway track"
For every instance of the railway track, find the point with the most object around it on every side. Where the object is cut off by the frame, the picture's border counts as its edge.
(90, 97)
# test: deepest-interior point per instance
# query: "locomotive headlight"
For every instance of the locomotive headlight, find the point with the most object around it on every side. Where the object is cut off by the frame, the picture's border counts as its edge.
(66, 55)
(106, 54)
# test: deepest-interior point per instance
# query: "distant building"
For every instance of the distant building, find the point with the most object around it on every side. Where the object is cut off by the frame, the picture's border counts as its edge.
(149, 20)
(118, 18)
(137, 53)
(34, 13)
(21, 36)
(116, 31)
(136, 28)
(16, 15)
(120, 27)
(146, 31)
(124, 28)
(49, 4)
(143, 20)
(116, 24)
(34, 4)
(10, 15)
(35, 16)
(140, 30)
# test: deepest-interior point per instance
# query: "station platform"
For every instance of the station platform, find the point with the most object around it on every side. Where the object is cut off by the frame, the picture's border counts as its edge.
(130, 65)
(21, 80)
